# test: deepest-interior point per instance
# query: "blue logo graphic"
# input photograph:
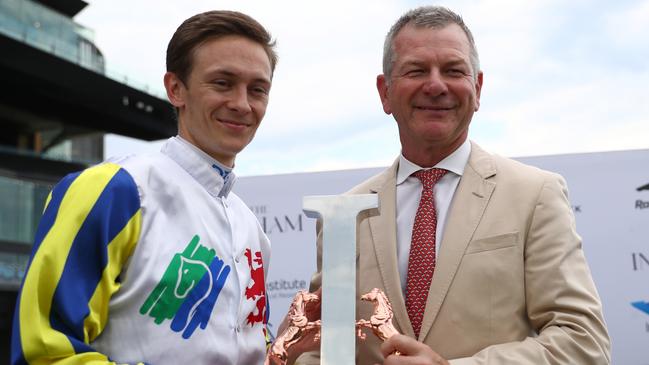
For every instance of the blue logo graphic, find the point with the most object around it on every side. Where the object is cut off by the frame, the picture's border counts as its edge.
(643, 306)
(197, 308)
(188, 290)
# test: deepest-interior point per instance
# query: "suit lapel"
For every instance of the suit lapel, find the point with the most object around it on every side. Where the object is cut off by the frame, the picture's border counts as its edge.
(466, 211)
(383, 230)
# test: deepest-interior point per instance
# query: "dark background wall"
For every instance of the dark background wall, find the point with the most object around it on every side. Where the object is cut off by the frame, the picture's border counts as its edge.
(7, 303)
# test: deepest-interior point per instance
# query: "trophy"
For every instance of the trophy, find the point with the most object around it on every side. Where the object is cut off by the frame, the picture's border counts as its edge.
(337, 329)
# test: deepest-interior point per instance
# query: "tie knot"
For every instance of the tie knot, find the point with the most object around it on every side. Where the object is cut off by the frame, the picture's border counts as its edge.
(430, 177)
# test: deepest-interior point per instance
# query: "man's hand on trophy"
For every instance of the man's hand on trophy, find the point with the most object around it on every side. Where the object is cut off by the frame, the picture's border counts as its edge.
(411, 352)
(299, 331)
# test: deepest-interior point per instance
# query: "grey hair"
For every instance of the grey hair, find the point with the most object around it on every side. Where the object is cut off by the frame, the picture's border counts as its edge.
(434, 17)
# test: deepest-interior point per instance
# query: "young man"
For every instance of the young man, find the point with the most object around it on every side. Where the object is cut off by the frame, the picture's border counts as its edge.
(151, 258)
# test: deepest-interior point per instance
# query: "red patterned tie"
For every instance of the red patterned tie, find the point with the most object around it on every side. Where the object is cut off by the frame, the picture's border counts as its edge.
(421, 261)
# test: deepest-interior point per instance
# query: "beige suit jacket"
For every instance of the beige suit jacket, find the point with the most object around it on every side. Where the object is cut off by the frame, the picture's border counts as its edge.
(511, 284)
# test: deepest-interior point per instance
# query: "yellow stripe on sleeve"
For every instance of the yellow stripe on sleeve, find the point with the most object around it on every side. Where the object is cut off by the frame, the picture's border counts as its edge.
(119, 250)
(47, 201)
(37, 336)
(87, 358)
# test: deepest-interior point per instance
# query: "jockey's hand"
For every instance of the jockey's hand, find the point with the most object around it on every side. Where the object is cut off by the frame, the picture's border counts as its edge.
(412, 352)
(310, 338)
(312, 309)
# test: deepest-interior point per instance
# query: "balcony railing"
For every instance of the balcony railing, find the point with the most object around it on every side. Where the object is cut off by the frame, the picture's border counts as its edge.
(21, 209)
(40, 27)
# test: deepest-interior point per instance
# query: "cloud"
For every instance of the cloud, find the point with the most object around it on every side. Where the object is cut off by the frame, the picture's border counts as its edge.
(560, 77)
(374, 146)
(629, 25)
(593, 115)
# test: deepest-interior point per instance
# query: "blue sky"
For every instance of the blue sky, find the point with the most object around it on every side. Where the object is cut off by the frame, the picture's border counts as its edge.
(560, 77)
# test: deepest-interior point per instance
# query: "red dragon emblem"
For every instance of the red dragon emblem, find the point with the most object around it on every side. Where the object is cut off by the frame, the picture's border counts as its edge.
(257, 288)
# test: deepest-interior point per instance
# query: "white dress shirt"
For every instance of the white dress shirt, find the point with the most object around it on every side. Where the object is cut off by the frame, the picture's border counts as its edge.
(409, 193)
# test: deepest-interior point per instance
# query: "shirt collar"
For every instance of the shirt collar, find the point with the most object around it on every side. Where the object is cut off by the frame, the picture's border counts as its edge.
(455, 162)
(216, 178)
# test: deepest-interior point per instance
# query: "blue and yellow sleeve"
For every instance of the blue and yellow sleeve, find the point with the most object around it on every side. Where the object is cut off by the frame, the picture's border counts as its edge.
(89, 228)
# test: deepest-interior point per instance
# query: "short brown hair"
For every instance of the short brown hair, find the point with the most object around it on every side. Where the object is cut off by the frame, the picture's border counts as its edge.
(213, 24)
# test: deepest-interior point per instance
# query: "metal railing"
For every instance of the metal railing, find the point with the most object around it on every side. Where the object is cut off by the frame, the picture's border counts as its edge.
(55, 154)
(21, 208)
(40, 27)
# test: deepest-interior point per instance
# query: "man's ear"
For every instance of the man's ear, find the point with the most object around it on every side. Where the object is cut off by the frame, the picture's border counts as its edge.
(478, 89)
(382, 87)
(175, 89)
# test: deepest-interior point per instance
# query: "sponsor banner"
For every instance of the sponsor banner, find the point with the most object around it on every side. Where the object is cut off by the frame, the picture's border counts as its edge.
(609, 192)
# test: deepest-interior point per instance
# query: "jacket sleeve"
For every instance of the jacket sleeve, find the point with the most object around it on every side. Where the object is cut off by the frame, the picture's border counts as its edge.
(89, 228)
(562, 302)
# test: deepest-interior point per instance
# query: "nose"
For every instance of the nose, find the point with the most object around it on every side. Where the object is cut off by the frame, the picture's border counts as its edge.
(238, 100)
(435, 84)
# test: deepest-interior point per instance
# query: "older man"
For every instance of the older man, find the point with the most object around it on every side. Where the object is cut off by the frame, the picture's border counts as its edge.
(477, 253)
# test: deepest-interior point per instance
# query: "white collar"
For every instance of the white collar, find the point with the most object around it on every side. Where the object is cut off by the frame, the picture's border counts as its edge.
(212, 175)
(455, 162)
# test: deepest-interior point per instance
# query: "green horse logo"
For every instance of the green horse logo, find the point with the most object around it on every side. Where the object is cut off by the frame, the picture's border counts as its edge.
(188, 289)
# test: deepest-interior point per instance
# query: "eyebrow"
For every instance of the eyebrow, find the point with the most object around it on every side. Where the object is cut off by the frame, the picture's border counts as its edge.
(451, 62)
(408, 64)
(458, 61)
(228, 73)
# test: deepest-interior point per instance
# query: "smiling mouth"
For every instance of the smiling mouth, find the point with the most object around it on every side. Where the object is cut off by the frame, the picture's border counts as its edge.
(233, 123)
(434, 107)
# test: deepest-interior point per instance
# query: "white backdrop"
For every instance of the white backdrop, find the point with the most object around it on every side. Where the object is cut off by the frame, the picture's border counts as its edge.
(611, 205)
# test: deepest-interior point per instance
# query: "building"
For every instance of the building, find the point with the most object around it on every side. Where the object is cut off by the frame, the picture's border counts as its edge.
(56, 104)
